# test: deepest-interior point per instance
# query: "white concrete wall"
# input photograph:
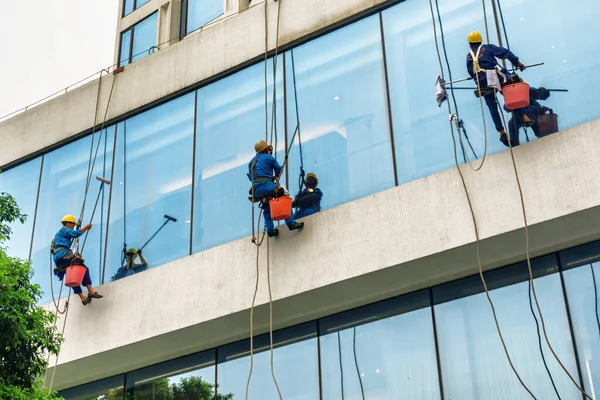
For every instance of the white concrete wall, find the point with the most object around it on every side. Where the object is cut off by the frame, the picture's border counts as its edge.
(217, 48)
(393, 242)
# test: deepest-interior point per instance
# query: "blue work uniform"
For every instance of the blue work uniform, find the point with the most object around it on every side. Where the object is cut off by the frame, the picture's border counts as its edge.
(63, 255)
(533, 111)
(487, 61)
(123, 272)
(261, 171)
(307, 203)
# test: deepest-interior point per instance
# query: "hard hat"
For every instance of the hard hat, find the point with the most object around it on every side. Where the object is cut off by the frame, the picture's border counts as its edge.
(474, 37)
(260, 146)
(69, 218)
(132, 250)
(311, 176)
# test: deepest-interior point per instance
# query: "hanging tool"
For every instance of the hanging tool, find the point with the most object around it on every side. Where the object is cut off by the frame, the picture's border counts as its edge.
(469, 78)
(168, 219)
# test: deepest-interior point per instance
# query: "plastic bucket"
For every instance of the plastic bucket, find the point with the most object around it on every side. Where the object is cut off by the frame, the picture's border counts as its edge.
(74, 276)
(281, 208)
(516, 95)
(548, 124)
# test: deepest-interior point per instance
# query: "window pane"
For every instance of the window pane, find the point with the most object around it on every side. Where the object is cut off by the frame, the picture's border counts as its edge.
(125, 54)
(202, 11)
(61, 192)
(106, 389)
(153, 177)
(128, 7)
(582, 287)
(190, 377)
(140, 3)
(393, 358)
(473, 362)
(343, 115)
(231, 119)
(22, 184)
(144, 37)
(570, 32)
(296, 366)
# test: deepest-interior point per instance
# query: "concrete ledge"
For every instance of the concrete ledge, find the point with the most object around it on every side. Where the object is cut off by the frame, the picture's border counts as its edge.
(199, 57)
(400, 240)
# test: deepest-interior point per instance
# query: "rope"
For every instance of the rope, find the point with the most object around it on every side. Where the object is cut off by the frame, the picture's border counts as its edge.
(271, 315)
(476, 229)
(341, 366)
(595, 296)
(487, 32)
(503, 25)
(526, 226)
(301, 177)
(62, 333)
(362, 389)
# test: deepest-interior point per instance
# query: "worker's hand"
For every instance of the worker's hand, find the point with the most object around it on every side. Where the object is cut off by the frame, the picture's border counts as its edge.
(521, 66)
(139, 252)
(310, 190)
(87, 227)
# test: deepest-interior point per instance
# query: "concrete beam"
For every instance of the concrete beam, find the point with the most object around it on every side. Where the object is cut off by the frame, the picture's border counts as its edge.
(406, 238)
(215, 49)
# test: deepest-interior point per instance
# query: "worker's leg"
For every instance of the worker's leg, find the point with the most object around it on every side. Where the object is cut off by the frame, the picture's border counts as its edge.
(490, 100)
(87, 282)
(293, 225)
(514, 125)
(267, 217)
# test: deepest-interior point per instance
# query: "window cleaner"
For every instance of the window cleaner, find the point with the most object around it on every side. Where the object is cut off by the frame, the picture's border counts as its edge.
(308, 200)
(263, 171)
(128, 265)
(481, 65)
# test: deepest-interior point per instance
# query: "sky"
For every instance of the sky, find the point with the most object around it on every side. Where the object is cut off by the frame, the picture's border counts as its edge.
(51, 44)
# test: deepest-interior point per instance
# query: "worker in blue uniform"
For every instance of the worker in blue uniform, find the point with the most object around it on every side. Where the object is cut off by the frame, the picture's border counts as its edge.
(131, 267)
(481, 65)
(308, 201)
(263, 169)
(64, 257)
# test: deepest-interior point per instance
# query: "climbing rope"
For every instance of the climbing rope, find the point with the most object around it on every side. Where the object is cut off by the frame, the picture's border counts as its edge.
(341, 364)
(527, 255)
(595, 296)
(476, 229)
(362, 389)
(301, 181)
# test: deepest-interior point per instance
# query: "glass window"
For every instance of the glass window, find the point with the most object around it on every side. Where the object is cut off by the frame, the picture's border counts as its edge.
(130, 5)
(62, 191)
(296, 366)
(342, 112)
(190, 377)
(22, 183)
(582, 280)
(381, 351)
(106, 389)
(201, 12)
(472, 359)
(152, 179)
(144, 35)
(231, 119)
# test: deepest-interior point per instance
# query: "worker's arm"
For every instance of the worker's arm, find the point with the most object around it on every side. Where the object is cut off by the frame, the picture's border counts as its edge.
(142, 259)
(75, 233)
(539, 93)
(505, 54)
(86, 228)
(276, 166)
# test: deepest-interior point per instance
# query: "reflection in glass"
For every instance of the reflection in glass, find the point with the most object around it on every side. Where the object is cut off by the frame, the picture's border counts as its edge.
(296, 368)
(144, 37)
(128, 6)
(62, 190)
(582, 292)
(153, 177)
(342, 111)
(106, 389)
(125, 53)
(473, 362)
(393, 358)
(230, 120)
(22, 184)
(202, 11)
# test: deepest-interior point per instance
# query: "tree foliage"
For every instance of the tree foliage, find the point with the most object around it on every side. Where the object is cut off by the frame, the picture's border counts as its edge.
(27, 332)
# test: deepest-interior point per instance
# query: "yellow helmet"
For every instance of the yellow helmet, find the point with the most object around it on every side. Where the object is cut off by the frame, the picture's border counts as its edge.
(310, 175)
(474, 37)
(260, 146)
(132, 251)
(69, 218)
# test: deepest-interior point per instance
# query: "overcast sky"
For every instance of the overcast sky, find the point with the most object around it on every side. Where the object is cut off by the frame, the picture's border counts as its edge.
(50, 44)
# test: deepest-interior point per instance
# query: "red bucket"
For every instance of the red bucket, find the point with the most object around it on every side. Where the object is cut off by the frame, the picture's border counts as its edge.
(516, 95)
(74, 276)
(281, 208)
(548, 124)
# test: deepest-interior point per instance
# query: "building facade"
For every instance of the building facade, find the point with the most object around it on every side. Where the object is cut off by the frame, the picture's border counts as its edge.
(379, 295)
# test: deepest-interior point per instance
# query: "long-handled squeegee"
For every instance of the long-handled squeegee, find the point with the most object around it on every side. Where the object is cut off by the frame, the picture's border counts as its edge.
(168, 219)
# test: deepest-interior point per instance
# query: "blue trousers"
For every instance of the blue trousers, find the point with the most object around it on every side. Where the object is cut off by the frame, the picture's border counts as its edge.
(304, 212)
(490, 101)
(261, 190)
(515, 123)
(64, 263)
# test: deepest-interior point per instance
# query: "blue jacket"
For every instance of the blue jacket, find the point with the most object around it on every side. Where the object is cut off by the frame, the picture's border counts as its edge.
(308, 200)
(63, 240)
(488, 55)
(266, 166)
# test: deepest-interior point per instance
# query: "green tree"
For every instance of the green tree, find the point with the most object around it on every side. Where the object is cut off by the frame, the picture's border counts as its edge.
(27, 332)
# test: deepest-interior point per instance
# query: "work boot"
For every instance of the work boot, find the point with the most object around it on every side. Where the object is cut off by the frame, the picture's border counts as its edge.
(528, 122)
(297, 225)
(504, 138)
(273, 233)
(87, 301)
(95, 295)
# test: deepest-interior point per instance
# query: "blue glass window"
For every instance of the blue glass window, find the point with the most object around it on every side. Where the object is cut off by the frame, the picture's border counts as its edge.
(200, 12)
(106, 389)
(153, 178)
(296, 366)
(342, 112)
(472, 360)
(231, 119)
(62, 190)
(137, 41)
(392, 357)
(22, 184)
(130, 5)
